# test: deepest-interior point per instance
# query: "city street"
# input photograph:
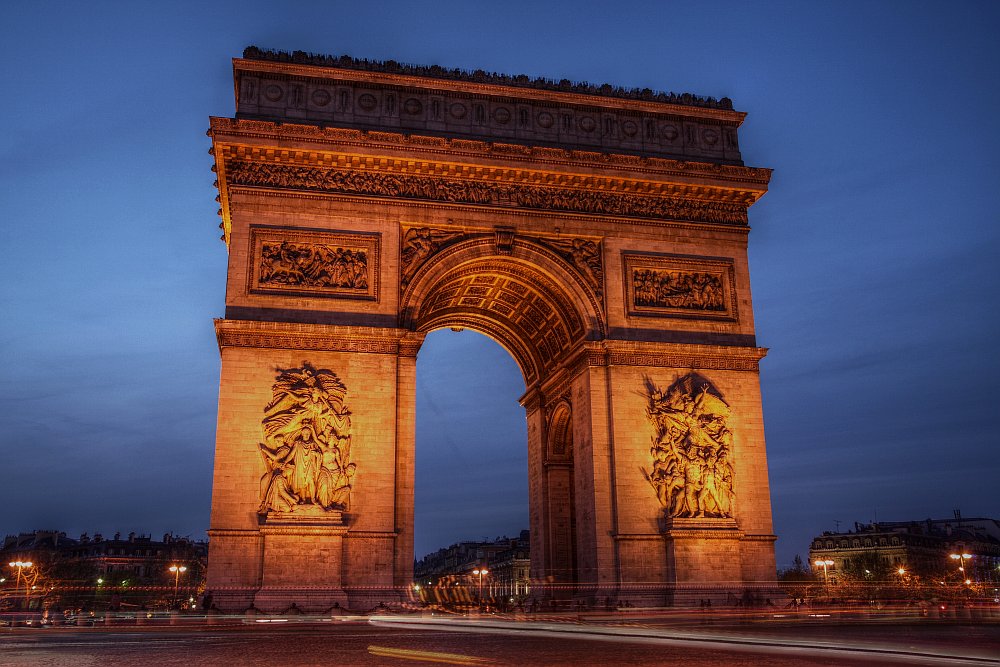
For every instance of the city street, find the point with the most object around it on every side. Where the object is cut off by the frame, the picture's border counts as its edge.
(408, 640)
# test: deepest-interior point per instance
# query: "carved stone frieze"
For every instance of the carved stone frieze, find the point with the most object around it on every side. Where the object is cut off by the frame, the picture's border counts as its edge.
(692, 469)
(318, 337)
(293, 342)
(650, 165)
(585, 255)
(722, 363)
(467, 191)
(497, 109)
(314, 263)
(677, 289)
(680, 286)
(417, 246)
(306, 444)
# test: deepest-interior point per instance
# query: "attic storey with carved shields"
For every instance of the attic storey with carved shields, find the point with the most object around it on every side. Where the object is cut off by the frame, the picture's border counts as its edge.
(599, 235)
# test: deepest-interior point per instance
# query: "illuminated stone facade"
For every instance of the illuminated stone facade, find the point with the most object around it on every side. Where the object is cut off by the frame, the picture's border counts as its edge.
(599, 235)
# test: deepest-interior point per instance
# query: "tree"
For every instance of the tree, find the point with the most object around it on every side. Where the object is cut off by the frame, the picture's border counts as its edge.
(798, 580)
(866, 576)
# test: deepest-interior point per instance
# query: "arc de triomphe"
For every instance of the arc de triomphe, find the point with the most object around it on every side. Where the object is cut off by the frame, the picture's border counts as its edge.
(599, 235)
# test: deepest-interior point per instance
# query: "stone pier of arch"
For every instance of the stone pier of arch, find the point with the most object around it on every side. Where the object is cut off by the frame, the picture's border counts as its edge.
(600, 238)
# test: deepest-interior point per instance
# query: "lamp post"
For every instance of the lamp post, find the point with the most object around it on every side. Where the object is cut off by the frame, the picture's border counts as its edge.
(20, 565)
(961, 558)
(176, 569)
(481, 571)
(825, 564)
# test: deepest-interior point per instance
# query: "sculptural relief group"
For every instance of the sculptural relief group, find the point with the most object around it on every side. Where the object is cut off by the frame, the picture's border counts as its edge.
(313, 265)
(692, 471)
(306, 446)
(677, 289)
(467, 191)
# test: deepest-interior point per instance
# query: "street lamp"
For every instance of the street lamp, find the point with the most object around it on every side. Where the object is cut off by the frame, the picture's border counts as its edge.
(176, 569)
(825, 564)
(961, 558)
(481, 572)
(20, 565)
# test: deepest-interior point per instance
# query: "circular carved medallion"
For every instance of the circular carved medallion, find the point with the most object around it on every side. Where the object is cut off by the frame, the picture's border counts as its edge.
(629, 128)
(545, 120)
(273, 92)
(710, 137)
(501, 115)
(458, 110)
(670, 132)
(321, 97)
(587, 124)
(367, 101)
(413, 106)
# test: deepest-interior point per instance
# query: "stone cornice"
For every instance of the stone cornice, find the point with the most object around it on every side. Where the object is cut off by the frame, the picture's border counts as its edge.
(750, 179)
(315, 337)
(492, 174)
(482, 186)
(666, 355)
(481, 88)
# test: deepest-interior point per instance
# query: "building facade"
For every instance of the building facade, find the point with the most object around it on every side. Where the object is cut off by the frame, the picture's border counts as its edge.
(922, 548)
(138, 557)
(507, 561)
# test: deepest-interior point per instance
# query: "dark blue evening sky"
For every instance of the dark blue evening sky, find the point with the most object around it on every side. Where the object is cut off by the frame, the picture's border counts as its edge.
(874, 257)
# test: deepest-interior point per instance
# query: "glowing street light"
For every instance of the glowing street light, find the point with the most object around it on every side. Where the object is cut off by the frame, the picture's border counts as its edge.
(825, 564)
(481, 572)
(176, 569)
(961, 558)
(21, 565)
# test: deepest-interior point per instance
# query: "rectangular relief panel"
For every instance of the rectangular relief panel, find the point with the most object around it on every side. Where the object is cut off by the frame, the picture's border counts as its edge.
(687, 286)
(302, 262)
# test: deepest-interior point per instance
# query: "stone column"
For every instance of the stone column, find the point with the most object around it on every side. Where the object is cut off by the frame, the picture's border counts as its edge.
(593, 466)
(406, 418)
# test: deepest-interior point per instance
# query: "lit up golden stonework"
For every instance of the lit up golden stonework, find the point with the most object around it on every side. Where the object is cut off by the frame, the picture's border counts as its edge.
(692, 470)
(306, 447)
(599, 235)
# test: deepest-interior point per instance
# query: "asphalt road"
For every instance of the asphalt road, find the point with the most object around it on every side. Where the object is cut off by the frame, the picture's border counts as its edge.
(407, 641)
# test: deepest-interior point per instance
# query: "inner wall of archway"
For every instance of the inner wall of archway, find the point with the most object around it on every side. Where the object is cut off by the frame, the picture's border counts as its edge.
(471, 456)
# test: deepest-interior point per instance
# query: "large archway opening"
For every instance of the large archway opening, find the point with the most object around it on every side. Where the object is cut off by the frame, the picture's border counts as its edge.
(471, 482)
(540, 312)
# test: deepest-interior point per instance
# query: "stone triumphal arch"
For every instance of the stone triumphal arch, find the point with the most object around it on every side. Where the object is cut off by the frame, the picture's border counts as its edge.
(598, 234)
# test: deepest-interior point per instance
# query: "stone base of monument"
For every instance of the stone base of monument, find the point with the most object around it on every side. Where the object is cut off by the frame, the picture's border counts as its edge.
(233, 600)
(303, 562)
(702, 556)
(298, 601)
(375, 598)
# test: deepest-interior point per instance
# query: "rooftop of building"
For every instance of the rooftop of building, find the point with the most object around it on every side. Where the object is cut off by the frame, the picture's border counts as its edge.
(49, 539)
(481, 76)
(952, 529)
